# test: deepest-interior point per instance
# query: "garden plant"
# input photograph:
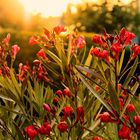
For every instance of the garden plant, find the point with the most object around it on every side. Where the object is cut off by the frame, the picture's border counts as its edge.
(71, 92)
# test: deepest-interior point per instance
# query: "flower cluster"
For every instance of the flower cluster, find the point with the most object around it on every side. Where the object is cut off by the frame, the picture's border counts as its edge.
(113, 45)
(5, 50)
(66, 93)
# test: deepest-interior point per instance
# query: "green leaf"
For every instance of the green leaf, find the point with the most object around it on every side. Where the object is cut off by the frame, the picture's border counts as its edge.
(101, 69)
(131, 73)
(108, 74)
(94, 92)
(10, 110)
(89, 58)
(18, 132)
(15, 83)
(94, 73)
(52, 55)
(121, 61)
(113, 96)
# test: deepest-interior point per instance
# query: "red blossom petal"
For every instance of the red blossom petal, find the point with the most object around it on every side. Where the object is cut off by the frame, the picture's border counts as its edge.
(59, 29)
(62, 126)
(33, 40)
(15, 50)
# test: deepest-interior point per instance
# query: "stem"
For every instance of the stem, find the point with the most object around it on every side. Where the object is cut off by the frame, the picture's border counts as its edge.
(116, 77)
(125, 67)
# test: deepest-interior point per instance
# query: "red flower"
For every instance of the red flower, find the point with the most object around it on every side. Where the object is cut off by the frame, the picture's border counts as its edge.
(33, 40)
(97, 39)
(7, 39)
(125, 36)
(130, 108)
(42, 54)
(116, 49)
(62, 126)
(80, 42)
(136, 51)
(59, 93)
(137, 120)
(103, 54)
(67, 111)
(31, 132)
(124, 132)
(47, 107)
(59, 29)
(55, 100)
(97, 138)
(80, 114)
(45, 129)
(15, 50)
(67, 92)
(105, 117)
(95, 51)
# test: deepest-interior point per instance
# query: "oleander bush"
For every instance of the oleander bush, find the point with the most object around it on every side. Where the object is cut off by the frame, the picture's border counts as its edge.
(69, 92)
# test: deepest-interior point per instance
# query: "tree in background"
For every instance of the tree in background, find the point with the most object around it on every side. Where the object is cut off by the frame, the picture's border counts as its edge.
(92, 17)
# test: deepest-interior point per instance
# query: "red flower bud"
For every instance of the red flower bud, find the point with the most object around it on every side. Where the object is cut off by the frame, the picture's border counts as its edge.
(137, 120)
(119, 86)
(33, 40)
(47, 107)
(42, 54)
(80, 114)
(55, 100)
(67, 92)
(59, 93)
(95, 51)
(68, 110)
(7, 39)
(62, 126)
(45, 129)
(15, 50)
(31, 132)
(130, 108)
(105, 117)
(124, 132)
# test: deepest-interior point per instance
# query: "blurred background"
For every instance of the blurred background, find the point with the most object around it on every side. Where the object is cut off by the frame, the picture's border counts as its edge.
(24, 18)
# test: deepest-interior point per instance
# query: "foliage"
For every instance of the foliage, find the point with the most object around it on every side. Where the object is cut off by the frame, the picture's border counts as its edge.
(71, 93)
(102, 17)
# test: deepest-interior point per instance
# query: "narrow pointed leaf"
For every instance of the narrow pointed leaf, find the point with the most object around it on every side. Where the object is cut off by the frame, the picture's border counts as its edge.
(131, 72)
(113, 96)
(121, 61)
(94, 93)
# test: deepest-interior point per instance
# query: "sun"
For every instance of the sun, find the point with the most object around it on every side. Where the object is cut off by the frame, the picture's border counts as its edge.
(47, 7)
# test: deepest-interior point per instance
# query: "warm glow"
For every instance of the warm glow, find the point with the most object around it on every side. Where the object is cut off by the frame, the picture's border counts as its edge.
(126, 1)
(47, 7)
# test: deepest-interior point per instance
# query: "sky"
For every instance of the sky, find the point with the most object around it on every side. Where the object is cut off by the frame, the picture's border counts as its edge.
(53, 7)
(47, 7)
